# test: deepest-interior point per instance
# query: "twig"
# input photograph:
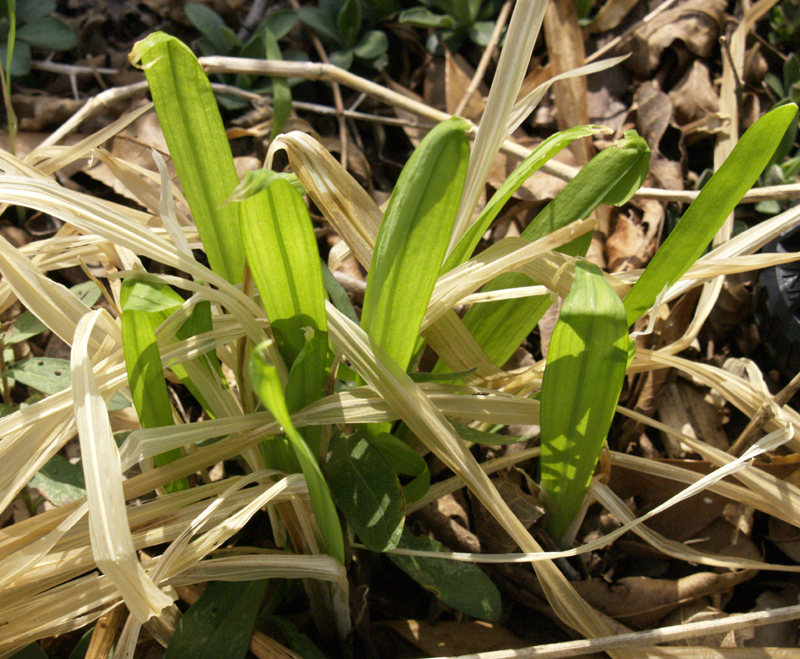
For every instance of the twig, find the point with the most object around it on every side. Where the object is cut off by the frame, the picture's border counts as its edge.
(105, 633)
(324, 72)
(502, 19)
(646, 638)
(352, 114)
(781, 398)
(71, 69)
(93, 105)
(337, 94)
(616, 41)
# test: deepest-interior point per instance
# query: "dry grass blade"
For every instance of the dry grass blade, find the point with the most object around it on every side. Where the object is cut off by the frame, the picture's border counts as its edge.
(663, 635)
(430, 426)
(504, 256)
(111, 538)
(523, 28)
(345, 204)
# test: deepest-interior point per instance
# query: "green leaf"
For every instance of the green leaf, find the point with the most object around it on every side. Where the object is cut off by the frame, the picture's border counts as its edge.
(79, 651)
(349, 22)
(423, 17)
(45, 374)
(257, 180)
(210, 24)
(218, 625)
(485, 438)
(60, 481)
(610, 178)
(281, 94)
(87, 292)
(461, 585)
(280, 22)
(198, 145)
(267, 387)
(372, 45)
(320, 23)
(342, 58)
(582, 381)
(145, 372)
(708, 211)
(440, 377)
(296, 641)
(48, 33)
(366, 490)
(25, 327)
(21, 58)
(338, 295)
(28, 325)
(480, 33)
(412, 240)
(33, 10)
(284, 260)
(32, 651)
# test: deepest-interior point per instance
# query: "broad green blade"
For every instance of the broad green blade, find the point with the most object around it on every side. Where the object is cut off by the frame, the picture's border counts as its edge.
(582, 381)
(146, 376)
(192, 125)
(611, 177)
(716, 201)
(284, 260)
(366, 490)
(412, 241)
(527, 168)
(267, 386)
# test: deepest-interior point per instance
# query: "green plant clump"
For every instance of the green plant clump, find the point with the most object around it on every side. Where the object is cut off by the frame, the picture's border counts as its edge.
(36, 28)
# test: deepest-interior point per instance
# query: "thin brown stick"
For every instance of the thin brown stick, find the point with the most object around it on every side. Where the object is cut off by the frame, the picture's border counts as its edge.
(748, 434)
(643, 639)
(502, 19)
(337, 92)
(323, 72)
(105, 633)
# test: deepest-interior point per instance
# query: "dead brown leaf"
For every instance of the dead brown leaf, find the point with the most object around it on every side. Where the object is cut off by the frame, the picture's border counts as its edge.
(684, 520)
(491, 534)
(455, 638)
(634, 238)
(691, 29)
(41, 111)
(641, 602)
(565, 47)
(683, 406)
(694, 97)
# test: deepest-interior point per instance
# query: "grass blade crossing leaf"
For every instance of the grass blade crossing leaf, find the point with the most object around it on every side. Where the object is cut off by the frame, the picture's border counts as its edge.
(706, 214)
(611, 177)
(412, 241)
(580, 388)
(527, 168)
(267, 386)
(463, 586)
(366, 490)
(192, 125)
(146, 375)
